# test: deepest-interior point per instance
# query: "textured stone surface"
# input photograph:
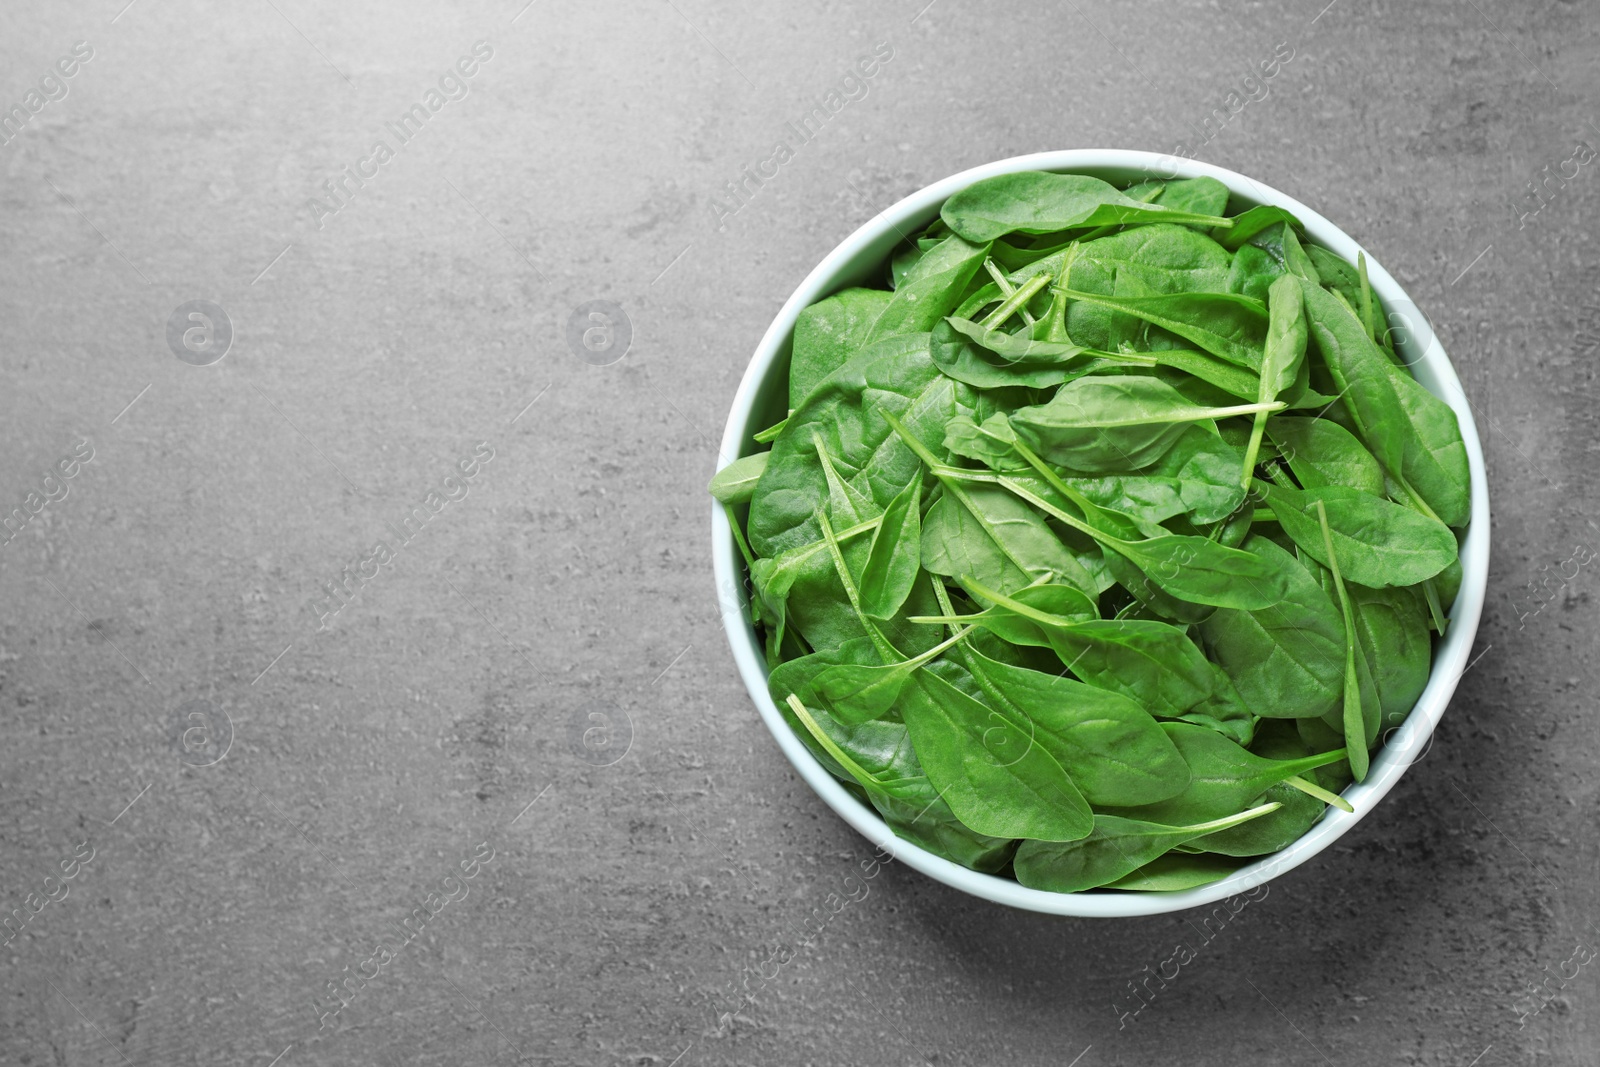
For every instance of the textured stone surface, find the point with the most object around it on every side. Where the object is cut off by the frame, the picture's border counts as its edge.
(378, 344)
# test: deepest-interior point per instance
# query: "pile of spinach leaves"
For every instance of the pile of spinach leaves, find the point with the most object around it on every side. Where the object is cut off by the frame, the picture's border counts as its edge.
(1099, 547)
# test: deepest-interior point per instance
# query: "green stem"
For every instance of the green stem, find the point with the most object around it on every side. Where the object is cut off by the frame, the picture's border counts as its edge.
(887, 651)
(943, 596)
(1004, 285)
(1084, 504)
(1355, 730)
(1366, 295)
(1430, 590)
(1232, 820)
(1116, 544)
(771, 432)
(1263, 515)
(933, 653)
(1416, 497)
(1056, 324)
(738, 536)
(857, 772)
(1015, 606)
(1253, 448)
(1009, 306)
(1311, 789)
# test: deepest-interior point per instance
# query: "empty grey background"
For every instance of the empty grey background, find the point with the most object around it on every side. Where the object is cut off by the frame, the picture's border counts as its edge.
(366, 760)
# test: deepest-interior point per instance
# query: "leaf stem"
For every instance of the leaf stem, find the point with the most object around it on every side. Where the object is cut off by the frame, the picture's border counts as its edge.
(1004, 285)
(738, 536)
(1313, 790)
(1366, 295)
(1355, 730)
(887, 651)
(1233, 820)
(857, 772)
(1019, 297)
(1431, 591)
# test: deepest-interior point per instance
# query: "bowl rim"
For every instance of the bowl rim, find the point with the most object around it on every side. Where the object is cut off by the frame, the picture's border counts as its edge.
(1403, 745)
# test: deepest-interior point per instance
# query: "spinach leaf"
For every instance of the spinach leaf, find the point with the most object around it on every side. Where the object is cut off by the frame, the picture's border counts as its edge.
(983, 531)
(1113, 749)
(1283, 367)
(1356, 706)
(987, 767)
(1322, 453)
(1300, 810)
(1224, 324)
(1284, 659)
(1036, 364)
(1224, 777)
(846, 411)
(1250, 222)
(1116, 847)
(827, 334)
(1113, 422)
(1392, 630)
(1039, 202)
(1413, 433)
(1176, 870)
(1380, 544)
(1152, 663)
(861, 692)
(895, 556)
(1190, 568)
(736, 483)
(930, 291)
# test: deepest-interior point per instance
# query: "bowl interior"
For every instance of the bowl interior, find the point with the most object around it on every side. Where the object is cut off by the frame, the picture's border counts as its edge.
(762, 399)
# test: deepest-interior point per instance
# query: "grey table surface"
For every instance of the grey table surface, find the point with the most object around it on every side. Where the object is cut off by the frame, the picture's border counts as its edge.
(170, 608)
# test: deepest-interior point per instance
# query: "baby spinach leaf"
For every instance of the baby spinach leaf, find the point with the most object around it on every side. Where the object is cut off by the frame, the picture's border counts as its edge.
(1226, 376)
(827, 334)
(860, 692)
(1252, 221)
(736, 483)
(1035, 364)
(1152, 663)
(1116, 847)
(1113, 422)
(1322, 453)
(1392, 629)
(1114, 750)
(1190, 568)
(916, 812)
(1203, 195)
(1354, 712)
(895, 555)
(985, 531)
(1300, 811)
(1224, 777)
(1224, 324)
(982, 530)
(1380, 544)
(987, 767)
(1278, 240)
(1283, 367)
(1253, 273)
(1335, 273)
(1175, 870)
(930, 291)
(1039, 202)
(846, 411)
(1413, 433)
(1284, 659)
